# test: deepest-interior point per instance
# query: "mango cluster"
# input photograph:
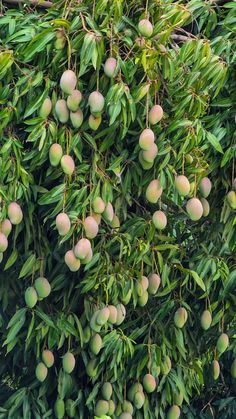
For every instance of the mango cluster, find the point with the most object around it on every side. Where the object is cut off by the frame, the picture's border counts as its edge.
(147, 143)
(39, 291)
(15, 216)
(146, 286)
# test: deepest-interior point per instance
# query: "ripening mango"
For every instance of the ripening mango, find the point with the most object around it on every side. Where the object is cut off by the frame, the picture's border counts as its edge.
(121, 313)
(3, 242)
(76, 118)
(173, 412)
(154, 191)
(139, 399)
(155, 114)
(194, 209)
(144, 282)
(215, 366)
(74, 100)
(106, 390)
(108, 213)
(59, 408)
(101, 408)
(55, 154)
(93, 322)
(97, 217)
(222, 343)
(71, 261)
(145, 28)
(90, 227)
(166, 365)
(62, 111)
(127, 407)
(87, 334)
(133, 390)
(63, 224)
(110, 67)
(82, 249)
(146, 139)
(154, 283)
(145, 165)
(15, 213)
(46, 108)
(178, 398)
(41, 372)
(182, 185)
(6, 227)
(68, 82)
(42, 286)
(206, 319)
(231, 199)
(205, 206)
(125, 415)
(149, 383)
(233, 369)
(143, 299)
(88, 257)
(60, 43)
(98, 205)
(112, 408)
(159, 220)
(150, 154)
(180, 317)
(68, 362)
(112, 314)
(31, 297)
(95, 344)
(91, 368)
(103, 316)
(67, 164)
(139, 289)
(115, 222)
(48, 358)
(70, 408)
(94, 122)
(96, 102)
(205, 187)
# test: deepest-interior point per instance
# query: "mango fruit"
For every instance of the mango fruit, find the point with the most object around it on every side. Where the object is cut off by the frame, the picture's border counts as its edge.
(231, 199)
(48, 358)
(68, 82)
(94, 122)
(143, 299)
(127, 407)
(145, 165)
(98, 205)
(55, 154)
(154, 283)
(206, 319)
(3, 242)
(60, 43)
(15, 213)
(59, 408)
(70, 408)
(95, 344)
(102, 407)
(155, 114)
(45, 108)
(90, 227)
(145, 28)
(182, 185)
(173, 412)
(112, 408)
(233, 369)
(67, 164)
(215, 366)
(63, 224)
(154, 191)
(125, 415)
(146, 139)
(62, 111)
(76, 118)
(97, 217)
(103, 316)
(42, 286)
(82, 249)
(93, 322)
(68, 362)
(31, 297)
(121, 313)
(74, 100)
(41, 372)
(71, 261)
(6, 227)
(150, 154)
(110, 67)
(96, 102)
(194, 209)
(222, 343)
(87, 334)
(88, 257)
(139, 400)
(166, 365)
(91, 368)
(180, 317)
(133, 390)
(178, 398)
(205, 187)
(159, 220)
(106, 390)
(205, 206)
(144, 282)
(108, 213)
(112, 314)
(149, 383)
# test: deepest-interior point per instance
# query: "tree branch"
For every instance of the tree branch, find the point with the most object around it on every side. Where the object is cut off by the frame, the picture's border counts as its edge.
(37, 3)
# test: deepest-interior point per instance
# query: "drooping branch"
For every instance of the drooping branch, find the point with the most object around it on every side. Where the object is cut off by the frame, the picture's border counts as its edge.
(37, 3)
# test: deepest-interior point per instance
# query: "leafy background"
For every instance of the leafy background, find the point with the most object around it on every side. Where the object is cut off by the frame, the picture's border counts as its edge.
(187, 67)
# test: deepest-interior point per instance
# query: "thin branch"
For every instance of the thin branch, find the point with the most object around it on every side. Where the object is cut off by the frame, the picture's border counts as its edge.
(37, 3)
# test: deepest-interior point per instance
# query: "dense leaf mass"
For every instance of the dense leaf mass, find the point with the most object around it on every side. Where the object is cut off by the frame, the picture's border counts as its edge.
(117, 210)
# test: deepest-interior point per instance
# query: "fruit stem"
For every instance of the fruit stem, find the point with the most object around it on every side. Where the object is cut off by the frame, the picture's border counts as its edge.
(183, 164)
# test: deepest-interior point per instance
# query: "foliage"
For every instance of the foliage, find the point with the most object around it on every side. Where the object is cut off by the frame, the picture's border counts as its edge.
(187, 67)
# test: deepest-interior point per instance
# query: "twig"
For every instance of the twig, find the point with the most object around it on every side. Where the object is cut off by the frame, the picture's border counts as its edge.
(37, 3)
